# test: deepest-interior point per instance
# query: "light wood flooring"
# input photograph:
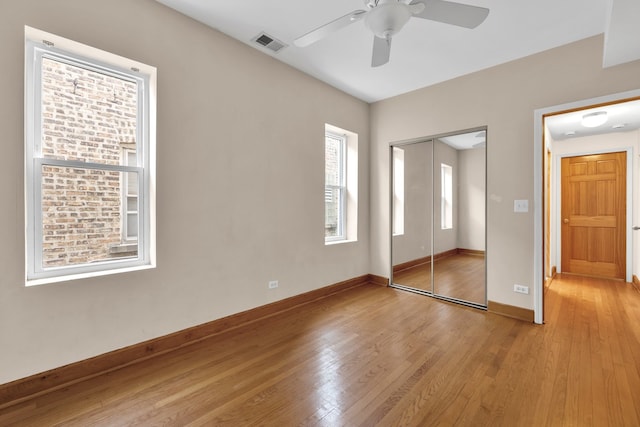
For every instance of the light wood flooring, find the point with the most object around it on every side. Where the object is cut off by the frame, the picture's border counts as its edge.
(378, 356)
(460, 276)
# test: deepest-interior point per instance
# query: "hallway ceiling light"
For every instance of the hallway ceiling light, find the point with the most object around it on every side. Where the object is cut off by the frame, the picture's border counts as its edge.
(593, 120)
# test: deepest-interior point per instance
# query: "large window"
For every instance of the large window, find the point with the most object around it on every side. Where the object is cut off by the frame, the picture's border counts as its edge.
(335, 188)
(89, 161)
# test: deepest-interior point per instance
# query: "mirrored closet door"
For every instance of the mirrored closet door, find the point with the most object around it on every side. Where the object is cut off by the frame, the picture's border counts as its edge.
(438, 212)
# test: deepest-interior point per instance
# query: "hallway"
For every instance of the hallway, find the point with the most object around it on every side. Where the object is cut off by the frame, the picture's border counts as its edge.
(593, 343)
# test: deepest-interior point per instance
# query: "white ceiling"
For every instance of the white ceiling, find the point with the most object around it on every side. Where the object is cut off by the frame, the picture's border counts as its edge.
(466, 141)
(622, 35)
(621, 117)
(424, 52)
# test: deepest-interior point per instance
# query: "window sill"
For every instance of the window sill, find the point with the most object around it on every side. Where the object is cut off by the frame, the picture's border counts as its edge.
(338, 242)
(68, 277)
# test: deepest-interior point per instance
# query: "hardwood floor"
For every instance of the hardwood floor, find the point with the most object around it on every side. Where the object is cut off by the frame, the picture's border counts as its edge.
(378, 356)
(459, 276)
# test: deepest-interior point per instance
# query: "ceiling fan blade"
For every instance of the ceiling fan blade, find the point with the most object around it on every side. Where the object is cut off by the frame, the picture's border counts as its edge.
(462, 15)
(381, 51)
(323, 31)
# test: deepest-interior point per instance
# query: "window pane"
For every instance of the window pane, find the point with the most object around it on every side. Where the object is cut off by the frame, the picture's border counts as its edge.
(132, 184)
(86, 115)
(132, 226)
(332, 218)
(131, 157)
(333, 161)
(132, 203)
(81, 216)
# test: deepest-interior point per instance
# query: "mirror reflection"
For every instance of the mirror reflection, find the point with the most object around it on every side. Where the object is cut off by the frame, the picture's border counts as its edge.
(438, 217)
(412, 214)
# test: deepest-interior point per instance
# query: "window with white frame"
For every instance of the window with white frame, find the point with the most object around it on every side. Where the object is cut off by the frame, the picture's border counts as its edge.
(335, 189)
(446, 202)
(89, 161)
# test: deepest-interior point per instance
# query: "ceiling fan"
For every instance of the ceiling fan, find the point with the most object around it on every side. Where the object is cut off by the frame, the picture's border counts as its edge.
(384, 18)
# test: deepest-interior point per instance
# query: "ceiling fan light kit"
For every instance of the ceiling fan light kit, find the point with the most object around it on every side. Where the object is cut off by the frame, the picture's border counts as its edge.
(389, 17)
(385, 18)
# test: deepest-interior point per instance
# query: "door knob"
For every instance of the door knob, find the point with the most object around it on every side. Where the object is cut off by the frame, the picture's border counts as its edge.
(566, 221)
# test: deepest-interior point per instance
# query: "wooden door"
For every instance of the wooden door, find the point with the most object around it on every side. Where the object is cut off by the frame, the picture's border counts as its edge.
(594, 215)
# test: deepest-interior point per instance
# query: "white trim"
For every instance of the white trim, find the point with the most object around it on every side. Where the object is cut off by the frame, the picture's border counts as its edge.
(538, 238)
(89, 274)
(104, 57)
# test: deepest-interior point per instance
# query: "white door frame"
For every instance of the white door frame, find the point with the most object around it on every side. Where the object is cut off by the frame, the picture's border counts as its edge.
(538, 214)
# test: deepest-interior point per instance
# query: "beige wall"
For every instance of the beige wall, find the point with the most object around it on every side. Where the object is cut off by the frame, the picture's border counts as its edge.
(240, 186)
(503, 98)
(471, 199)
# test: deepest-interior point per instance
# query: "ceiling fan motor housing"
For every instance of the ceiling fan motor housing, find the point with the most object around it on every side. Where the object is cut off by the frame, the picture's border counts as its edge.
(387, 18)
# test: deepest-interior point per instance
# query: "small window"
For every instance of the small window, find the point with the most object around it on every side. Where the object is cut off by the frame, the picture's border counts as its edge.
(398, 191)
(446, 202)
(341, 185)
(89, 157)
(335, 189)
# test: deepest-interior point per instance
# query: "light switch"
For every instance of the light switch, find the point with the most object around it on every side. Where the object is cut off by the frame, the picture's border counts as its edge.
(521, 206)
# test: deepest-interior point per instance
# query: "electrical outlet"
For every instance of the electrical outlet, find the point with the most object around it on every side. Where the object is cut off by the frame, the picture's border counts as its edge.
(521, 205)
(273, 284)
(521, 289)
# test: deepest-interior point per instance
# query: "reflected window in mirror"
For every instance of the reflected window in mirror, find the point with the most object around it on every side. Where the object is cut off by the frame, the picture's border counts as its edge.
(446, 196)
(398, 191)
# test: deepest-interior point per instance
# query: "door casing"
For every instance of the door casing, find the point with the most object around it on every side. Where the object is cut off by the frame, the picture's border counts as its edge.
(538, 186)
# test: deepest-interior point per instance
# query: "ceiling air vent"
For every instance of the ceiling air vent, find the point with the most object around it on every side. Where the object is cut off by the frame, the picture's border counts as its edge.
(269, 42)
